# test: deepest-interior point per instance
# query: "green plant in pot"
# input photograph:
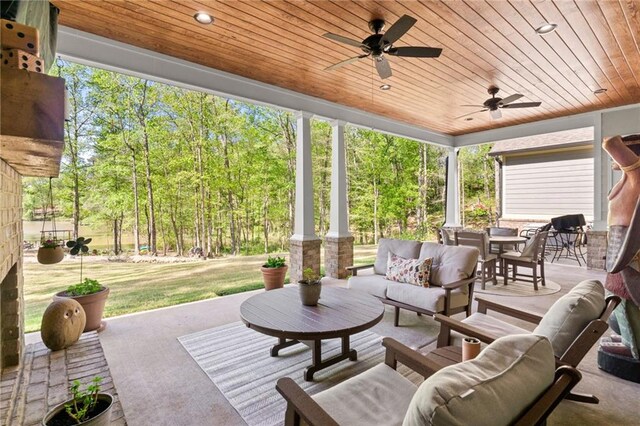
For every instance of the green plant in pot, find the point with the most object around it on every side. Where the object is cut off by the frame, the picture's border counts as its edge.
(89, 293)
(274, 272)
(310, 287)
(89, 407)
(50, 252)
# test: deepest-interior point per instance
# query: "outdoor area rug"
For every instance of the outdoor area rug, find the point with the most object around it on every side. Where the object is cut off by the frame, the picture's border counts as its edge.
(237, 360)
(517, 288)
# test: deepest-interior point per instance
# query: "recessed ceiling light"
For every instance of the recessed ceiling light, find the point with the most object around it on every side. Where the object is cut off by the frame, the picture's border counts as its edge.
(468, 119)
(546, 28)
(203, 18)
(385, 87)
(600, 91)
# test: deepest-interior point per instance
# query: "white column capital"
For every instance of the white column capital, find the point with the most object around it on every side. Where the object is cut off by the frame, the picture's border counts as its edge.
(303, 114)
(337, 122)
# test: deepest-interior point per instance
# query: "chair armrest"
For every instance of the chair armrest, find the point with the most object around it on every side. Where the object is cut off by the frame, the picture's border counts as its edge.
(397, 352)
(458, 284)
(447, 324)
(484, 305)
(354, 269)
(301, 405)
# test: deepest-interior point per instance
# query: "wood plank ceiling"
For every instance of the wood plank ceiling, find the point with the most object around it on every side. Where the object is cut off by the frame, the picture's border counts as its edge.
(596, 45)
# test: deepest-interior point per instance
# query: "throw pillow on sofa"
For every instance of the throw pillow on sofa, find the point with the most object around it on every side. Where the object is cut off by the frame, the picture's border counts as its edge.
(410, 271)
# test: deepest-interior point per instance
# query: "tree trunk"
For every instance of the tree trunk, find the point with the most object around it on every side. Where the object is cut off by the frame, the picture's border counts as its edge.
(375, 212)
(136, 204)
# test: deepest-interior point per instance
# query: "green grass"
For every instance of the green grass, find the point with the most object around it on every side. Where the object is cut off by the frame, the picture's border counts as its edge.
(136, 287)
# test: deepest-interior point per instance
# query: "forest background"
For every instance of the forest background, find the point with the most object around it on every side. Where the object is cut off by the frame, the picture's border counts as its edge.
(160, 169)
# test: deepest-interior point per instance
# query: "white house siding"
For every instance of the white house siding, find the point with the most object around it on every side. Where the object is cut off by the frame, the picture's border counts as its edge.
(542, 186)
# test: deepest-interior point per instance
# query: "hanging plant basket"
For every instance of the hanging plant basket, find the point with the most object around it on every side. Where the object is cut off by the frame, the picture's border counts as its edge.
(50, 255)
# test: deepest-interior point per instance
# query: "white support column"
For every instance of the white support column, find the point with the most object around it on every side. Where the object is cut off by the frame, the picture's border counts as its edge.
(601, 172)
(304, 247)
(304, 225)
(339, 217)
(338, 248)
(453, 190)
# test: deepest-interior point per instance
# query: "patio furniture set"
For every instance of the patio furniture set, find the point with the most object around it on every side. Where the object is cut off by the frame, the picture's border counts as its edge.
(534, 371)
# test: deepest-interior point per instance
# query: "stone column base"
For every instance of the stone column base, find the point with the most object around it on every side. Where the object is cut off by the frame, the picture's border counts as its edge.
(303, 254)
(596, 249)
(338, 254)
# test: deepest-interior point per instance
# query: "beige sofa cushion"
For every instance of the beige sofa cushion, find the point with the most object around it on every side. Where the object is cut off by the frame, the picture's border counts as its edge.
(428, 298)
(490, 325)
(566, 319)
(379, 396)
(450, 263)
(404, 248)
(373, 284)
(493, 389)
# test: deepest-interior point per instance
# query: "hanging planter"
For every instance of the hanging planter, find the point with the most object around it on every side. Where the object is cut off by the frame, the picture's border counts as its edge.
(50, 250)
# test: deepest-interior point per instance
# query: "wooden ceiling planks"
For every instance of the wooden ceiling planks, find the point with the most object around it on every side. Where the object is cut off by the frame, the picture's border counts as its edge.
(485, 42)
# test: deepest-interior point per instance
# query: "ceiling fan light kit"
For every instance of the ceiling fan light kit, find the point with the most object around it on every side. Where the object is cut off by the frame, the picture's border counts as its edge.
(379, 44)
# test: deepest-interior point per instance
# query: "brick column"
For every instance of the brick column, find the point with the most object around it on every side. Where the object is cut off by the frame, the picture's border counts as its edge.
(303, 254)
(11, 280)
(338, 254)
(596, 249)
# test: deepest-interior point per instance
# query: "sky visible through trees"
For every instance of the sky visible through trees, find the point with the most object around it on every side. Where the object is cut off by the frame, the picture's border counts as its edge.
(166, 169)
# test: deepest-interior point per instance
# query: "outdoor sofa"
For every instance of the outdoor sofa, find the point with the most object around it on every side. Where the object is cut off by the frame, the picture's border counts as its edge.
(450, 284)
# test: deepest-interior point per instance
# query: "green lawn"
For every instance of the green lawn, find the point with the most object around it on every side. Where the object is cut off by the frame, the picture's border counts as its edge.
(139, 287)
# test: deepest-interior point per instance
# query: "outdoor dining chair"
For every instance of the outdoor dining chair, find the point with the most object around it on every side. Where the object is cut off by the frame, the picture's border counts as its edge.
(486, 260)
(532, 256)
(503, 232)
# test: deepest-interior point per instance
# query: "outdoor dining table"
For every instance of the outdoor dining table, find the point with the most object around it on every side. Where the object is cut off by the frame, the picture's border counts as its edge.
(501, 241)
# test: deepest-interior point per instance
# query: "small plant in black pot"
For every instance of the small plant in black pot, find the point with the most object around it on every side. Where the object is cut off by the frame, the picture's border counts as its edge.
(88, 407)
(310, 287)
(89, 293)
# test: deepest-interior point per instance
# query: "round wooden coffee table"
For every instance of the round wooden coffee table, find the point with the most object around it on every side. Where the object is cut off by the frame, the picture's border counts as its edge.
(339, 314)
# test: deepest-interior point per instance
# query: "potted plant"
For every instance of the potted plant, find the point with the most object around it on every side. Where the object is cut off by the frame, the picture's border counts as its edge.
(88, 407)
(50, 252)
(273, 272)
(310, 287)
(89, 293)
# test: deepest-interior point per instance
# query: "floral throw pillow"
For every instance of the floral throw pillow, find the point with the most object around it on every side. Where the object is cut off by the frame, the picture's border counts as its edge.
(410, 271)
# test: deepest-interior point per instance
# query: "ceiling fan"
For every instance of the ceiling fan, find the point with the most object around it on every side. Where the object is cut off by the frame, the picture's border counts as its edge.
(378, 45)
(494, 105)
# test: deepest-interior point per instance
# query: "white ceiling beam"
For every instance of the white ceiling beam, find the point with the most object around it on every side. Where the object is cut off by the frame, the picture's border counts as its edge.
(577, 121)
(100, 52)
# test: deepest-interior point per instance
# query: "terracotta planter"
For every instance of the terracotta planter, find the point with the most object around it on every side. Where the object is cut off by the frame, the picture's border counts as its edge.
(93, 305)
(49, 256)
(309, 293)
(102, 419)
(273, 277)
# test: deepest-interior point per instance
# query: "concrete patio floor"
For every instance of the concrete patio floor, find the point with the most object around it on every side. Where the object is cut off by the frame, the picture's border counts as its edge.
(159, 383)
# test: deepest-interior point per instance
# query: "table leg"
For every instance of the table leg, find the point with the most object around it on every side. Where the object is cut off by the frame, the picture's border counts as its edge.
(317, 362)
(282, 343)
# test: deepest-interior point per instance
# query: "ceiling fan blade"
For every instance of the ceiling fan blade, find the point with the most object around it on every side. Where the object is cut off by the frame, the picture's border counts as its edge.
(495, 114)
(342, 39)
(474, 106)
(523, 105)
(383, 67)
(398, 29)
(415, 52)
(511, 98)
(471, 113)
(345, 62)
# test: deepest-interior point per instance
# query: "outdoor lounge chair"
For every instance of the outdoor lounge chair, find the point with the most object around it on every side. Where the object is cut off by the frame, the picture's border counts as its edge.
(573, 324)
(520, 369)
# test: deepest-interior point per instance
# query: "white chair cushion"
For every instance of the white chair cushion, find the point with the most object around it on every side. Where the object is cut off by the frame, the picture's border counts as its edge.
(373, 284)
(428, 298)
(404, 248)
(450, 263)
(489, 325)
(514, 255)
(566, 319)
(493, 389)
(379, 396)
